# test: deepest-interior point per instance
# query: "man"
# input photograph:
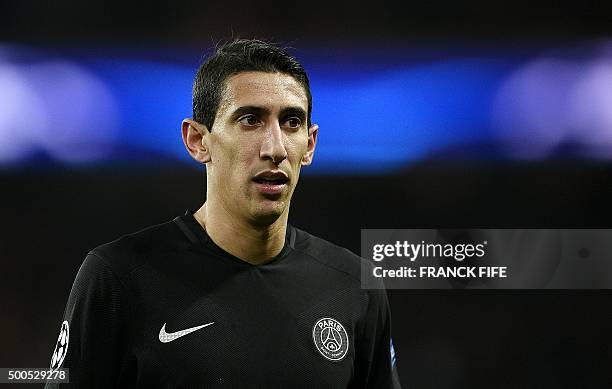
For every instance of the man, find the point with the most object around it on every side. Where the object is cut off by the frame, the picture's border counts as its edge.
(232, 295)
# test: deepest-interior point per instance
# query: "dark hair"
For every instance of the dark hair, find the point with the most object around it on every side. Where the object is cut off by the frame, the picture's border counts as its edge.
(240, 55)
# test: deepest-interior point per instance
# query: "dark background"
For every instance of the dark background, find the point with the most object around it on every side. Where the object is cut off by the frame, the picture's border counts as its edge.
(52, 215)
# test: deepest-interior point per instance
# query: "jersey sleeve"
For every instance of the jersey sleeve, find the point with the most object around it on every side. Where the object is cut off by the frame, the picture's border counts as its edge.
(376, 365)
(94, 335)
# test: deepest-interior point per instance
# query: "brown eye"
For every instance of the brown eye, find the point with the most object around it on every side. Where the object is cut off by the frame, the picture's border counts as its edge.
(294, 122)
(249, 120)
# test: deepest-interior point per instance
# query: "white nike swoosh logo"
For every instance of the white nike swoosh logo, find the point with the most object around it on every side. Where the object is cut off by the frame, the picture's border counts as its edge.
(166, 337)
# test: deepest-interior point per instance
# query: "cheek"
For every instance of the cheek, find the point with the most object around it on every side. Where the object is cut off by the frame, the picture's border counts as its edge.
(237, 163)
(224, 158)
(229, 153)
(296, 148)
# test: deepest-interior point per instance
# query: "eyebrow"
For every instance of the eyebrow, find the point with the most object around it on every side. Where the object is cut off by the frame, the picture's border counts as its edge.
(297, 111)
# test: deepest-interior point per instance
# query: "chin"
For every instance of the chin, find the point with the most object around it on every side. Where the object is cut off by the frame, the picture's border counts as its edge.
(269, 212)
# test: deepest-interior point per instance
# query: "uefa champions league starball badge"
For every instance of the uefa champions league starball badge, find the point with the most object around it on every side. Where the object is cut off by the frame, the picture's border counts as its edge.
(61, 347)
(330, 338)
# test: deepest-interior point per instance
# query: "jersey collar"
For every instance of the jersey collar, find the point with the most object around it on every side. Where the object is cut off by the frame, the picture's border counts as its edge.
(199, 237)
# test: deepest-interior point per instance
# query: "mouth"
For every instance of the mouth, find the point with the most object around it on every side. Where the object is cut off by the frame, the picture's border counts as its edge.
(264, 181)
(271, 182)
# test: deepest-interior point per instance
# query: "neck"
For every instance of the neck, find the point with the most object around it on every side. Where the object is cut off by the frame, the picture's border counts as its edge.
(255, 244)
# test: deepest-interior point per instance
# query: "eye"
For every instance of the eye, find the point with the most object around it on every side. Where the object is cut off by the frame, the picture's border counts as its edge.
(249, 120)
(293, 122)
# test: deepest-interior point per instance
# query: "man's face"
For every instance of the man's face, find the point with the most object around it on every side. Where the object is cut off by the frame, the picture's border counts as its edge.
(258, 143)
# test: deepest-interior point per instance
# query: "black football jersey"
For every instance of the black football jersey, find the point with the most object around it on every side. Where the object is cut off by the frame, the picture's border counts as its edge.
(166, 307)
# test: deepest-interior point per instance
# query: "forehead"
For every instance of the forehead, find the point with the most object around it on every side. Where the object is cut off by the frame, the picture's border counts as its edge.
(267, 90)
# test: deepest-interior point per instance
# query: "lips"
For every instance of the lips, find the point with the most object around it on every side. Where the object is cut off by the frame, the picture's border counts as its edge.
(271, 177)
(271, 182)
(279, 181)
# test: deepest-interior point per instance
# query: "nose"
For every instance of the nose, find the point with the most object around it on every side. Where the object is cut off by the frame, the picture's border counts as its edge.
(273, 146)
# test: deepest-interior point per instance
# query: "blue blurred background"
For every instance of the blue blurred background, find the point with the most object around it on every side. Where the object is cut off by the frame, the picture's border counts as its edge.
(432, 114)
(380, 109)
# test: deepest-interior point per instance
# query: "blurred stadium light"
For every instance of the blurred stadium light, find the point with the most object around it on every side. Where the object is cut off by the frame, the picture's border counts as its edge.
(82, 109)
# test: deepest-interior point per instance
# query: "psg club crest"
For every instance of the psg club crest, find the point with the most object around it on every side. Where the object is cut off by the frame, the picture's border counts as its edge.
(61, 347)
(330, 338)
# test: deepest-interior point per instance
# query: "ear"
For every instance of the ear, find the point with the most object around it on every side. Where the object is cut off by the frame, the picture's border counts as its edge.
(313, 131)
(195, 139)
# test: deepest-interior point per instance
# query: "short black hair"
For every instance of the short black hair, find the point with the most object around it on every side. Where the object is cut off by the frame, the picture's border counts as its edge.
(237, 56)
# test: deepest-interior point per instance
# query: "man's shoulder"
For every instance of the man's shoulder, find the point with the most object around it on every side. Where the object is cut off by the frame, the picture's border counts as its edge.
(331, 255)
(134, 249)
